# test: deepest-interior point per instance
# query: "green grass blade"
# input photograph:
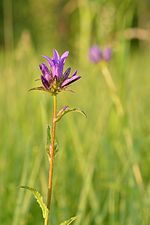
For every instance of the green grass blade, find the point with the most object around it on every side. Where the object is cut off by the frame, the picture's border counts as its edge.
(67, 222)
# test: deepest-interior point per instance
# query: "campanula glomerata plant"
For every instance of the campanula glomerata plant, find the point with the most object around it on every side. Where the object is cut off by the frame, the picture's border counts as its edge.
(53, 81)
(97, 55)
(102, 57)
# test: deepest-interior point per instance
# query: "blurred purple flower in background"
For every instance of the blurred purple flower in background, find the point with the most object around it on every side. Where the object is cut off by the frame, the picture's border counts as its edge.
(106, 54)
(54, 80)
(96, 54)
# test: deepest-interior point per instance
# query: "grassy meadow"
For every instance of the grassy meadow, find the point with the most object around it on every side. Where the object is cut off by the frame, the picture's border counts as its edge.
(102, 170)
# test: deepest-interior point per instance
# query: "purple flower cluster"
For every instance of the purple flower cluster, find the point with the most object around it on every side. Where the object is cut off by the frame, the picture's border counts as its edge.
(96, 55)
(54, 80)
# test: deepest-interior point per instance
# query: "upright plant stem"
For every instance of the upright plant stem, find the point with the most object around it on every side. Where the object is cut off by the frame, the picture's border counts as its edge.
(46, 221)
(51, 158)
(113, 90)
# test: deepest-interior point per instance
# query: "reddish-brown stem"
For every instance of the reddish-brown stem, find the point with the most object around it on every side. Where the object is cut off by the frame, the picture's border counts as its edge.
(51, 157)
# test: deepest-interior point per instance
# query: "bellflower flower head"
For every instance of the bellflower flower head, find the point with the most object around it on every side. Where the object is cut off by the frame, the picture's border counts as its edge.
(97, 55)
(106, 54)
(54, 80)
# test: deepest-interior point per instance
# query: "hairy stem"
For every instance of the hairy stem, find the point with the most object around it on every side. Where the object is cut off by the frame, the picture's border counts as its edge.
(51, 158)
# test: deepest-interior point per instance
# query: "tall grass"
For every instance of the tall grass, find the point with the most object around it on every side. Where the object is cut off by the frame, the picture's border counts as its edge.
(93, 174)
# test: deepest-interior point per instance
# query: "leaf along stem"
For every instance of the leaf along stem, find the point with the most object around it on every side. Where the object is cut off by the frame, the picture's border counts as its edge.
(51, 158)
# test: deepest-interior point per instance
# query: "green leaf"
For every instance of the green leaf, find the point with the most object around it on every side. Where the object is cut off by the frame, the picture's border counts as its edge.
(39, 199)
(48, 136)
(48, 140)
(67, 222)
(66, 110)
(56, 149)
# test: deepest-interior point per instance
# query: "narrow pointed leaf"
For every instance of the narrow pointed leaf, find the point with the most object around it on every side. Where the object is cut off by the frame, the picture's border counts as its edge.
(66, 110)
(67, 222)
(37, 89)
(48, 136)
(39, 199)
(56, 149)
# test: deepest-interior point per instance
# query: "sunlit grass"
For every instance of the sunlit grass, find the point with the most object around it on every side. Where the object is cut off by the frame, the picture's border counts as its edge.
(93, 174)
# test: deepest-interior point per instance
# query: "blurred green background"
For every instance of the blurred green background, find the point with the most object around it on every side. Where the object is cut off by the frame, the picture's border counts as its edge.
(101, 171)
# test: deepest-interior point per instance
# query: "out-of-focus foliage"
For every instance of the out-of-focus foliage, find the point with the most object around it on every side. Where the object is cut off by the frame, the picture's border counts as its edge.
(69, 23)
(94, 174)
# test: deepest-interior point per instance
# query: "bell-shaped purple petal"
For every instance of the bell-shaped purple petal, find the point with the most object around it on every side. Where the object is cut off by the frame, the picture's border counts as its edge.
(50, 62)
(56, 64)
(45, 82)
(64, 56)
(46, 73)
(44, 68)
(74, 73)
(59, 69)
(70, 80)
(66, 74)
(94, 54)
(54, 80)
(107, 52)
(55, 55)
(46, 57)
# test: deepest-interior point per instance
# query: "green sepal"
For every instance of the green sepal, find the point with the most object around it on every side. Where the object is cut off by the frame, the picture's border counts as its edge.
(39, 199)
(67, 222)
(66, 110)
(37, 89)
(41, 88)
